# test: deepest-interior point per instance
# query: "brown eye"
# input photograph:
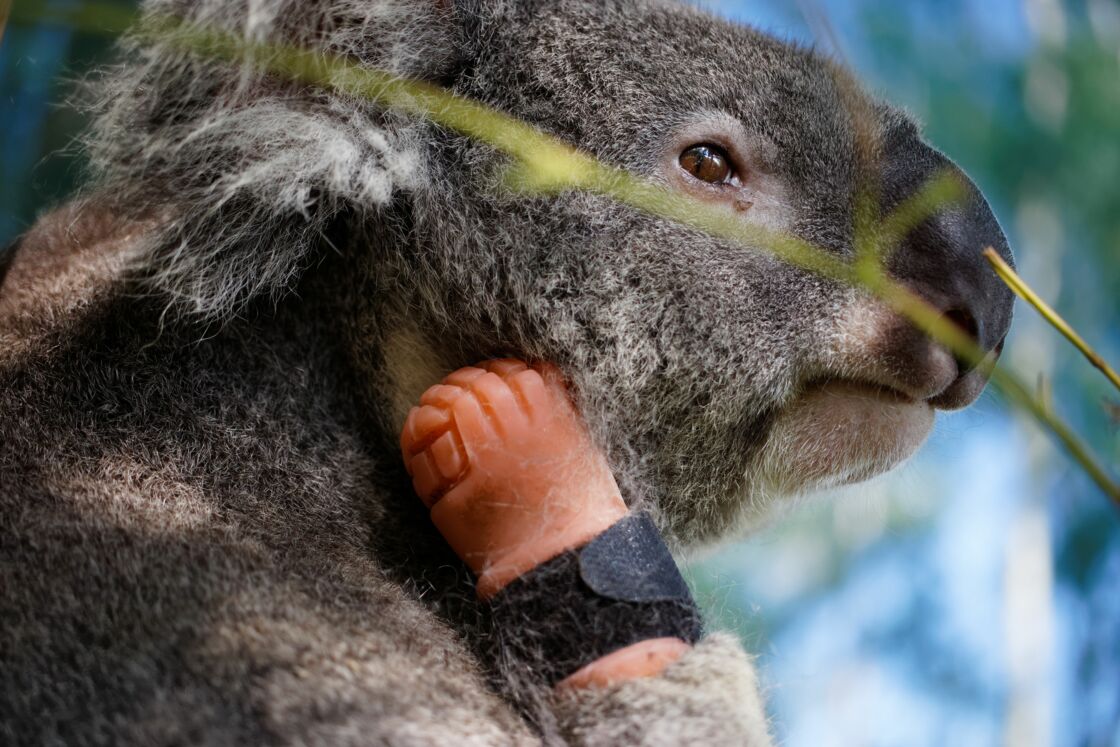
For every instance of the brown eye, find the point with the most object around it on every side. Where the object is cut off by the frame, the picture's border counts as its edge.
(708, 163)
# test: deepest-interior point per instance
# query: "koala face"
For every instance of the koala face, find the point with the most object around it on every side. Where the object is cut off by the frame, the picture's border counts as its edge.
(716, 376)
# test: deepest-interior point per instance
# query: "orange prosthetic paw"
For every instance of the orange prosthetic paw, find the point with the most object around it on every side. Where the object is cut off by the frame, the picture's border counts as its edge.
(512, 479)
(508, 470)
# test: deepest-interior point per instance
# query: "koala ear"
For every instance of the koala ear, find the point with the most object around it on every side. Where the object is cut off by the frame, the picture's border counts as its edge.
(246, 170)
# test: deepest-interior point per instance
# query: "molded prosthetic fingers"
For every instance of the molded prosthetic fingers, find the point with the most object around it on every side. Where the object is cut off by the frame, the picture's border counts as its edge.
(511, 477)
(590, 594)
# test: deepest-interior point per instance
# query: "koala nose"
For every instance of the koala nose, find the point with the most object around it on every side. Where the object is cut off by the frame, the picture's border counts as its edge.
(942, 260)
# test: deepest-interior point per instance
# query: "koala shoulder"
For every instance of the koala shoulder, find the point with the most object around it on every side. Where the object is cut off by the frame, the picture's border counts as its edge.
(71, 258)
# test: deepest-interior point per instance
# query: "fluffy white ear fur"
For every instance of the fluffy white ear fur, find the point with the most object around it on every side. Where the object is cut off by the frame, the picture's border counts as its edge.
(244, 171)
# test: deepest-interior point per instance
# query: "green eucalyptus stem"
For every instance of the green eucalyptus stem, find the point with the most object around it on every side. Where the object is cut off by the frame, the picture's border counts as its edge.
(542, 163)
(90, 18)
(1025, 292)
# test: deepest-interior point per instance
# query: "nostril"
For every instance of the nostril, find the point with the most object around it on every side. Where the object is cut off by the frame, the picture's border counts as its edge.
(966, 322)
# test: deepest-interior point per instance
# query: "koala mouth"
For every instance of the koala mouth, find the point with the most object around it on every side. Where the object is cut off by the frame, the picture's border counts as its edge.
(871, 389)
(875, 349)
(869, 406)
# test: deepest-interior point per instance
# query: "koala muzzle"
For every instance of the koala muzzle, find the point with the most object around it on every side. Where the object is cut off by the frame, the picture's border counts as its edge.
(942, 260)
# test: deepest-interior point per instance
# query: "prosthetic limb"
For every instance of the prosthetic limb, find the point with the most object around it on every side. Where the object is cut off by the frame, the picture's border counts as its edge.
(499, 455)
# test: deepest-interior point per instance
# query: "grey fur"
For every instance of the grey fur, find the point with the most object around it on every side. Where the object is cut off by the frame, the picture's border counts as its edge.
(206, 533)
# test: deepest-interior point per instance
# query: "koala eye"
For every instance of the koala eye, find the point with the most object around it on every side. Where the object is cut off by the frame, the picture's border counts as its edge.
(708, 163)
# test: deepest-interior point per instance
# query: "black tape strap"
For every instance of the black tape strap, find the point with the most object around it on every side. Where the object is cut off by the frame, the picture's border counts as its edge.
(621, 588)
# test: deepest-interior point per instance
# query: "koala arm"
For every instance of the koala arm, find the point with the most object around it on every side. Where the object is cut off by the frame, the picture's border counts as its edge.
(710, 696)
(498, 454)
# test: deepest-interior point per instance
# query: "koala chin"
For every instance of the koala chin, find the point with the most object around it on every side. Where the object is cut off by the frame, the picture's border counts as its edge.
(838, 433)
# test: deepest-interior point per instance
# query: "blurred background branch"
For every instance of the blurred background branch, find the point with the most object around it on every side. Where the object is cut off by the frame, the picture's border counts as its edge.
(5, 9)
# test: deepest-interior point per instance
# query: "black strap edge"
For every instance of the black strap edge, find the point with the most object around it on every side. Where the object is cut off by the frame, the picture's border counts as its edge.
(621, 588)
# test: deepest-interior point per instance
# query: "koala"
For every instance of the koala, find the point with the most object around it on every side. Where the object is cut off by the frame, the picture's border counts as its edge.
(208, 535)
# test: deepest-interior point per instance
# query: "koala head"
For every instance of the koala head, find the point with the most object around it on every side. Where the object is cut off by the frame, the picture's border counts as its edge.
(716, 376)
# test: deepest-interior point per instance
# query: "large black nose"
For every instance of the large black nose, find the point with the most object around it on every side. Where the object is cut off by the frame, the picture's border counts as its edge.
(942, 258)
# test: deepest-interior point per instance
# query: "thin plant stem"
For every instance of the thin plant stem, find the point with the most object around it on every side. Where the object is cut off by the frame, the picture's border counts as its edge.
(1024, 291)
